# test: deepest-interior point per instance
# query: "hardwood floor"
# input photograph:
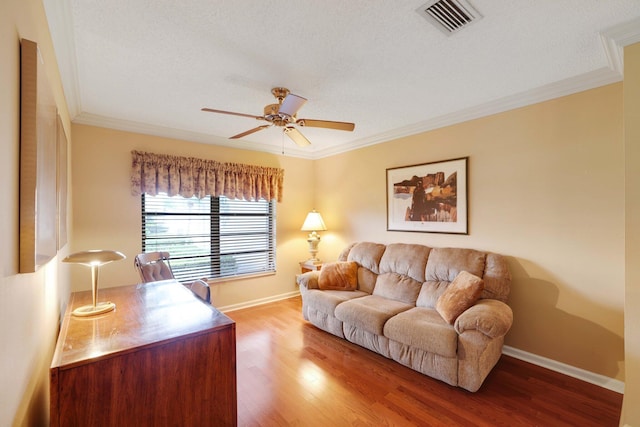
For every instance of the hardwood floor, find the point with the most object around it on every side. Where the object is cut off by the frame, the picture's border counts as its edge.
(292, 374)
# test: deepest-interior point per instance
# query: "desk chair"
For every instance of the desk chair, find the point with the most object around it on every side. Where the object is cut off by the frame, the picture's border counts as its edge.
(154, 266)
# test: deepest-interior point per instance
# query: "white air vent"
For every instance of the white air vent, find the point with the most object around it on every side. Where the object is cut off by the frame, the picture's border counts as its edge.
(449, 16)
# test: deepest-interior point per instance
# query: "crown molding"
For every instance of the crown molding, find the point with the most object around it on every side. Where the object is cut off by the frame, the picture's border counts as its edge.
(61, 27)
(591, 80)
(614, 40)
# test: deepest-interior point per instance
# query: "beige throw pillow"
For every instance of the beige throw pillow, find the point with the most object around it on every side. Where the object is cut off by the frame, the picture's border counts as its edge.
(340, 276)
(461, 294)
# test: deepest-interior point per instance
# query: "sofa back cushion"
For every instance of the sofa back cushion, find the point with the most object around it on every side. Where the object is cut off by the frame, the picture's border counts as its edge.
(443, 265)
(497, 280)
(434, 267)
(397, 287)
(405, 259)
(402, 269)
(366, 280)
(367, 255)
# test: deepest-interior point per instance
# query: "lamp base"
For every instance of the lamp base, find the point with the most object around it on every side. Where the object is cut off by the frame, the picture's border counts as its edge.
(90, 310)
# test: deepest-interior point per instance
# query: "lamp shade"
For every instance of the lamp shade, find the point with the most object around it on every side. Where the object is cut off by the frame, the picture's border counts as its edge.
(313, 222)
(94, 257)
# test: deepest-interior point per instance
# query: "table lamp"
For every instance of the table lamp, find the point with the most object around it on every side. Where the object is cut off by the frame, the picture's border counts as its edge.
(313, 223)
(94, 259)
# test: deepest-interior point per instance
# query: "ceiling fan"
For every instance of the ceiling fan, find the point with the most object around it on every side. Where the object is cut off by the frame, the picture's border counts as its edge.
(283, 114)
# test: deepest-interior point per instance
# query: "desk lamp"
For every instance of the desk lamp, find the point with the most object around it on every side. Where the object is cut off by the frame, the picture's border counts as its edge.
(94, 259)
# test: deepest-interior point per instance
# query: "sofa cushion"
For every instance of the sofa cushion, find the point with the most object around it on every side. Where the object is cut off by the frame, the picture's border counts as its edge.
(429, 293)
(444, 264)
(425, 329)
(366, 280)
(340, 276)
(369, 313)
(497, 280)
(406, 259)
(461, 294)
(367, 255)
(397, 287)
(327, 301)
(344, 254)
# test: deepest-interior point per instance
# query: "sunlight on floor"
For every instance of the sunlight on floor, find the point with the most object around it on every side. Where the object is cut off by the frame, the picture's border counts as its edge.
(312, 377)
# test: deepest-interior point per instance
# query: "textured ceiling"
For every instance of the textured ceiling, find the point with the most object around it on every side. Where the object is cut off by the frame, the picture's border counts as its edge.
(150, 65)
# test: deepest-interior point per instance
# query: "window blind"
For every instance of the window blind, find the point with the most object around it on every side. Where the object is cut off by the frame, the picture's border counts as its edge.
(210, 237)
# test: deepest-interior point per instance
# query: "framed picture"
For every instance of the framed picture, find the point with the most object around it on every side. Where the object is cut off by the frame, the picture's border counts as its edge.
(62, 184)
(429, 197)
(38, 162)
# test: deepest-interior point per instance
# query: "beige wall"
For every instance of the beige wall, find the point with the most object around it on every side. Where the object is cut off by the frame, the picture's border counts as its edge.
(29, 303)
(546, 189)
(631, 408)
(107, 216)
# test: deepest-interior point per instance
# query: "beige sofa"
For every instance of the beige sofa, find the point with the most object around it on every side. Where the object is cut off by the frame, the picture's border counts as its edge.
(394, 299)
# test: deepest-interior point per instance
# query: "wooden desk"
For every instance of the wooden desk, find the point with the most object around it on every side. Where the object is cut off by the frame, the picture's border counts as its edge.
(163, 357)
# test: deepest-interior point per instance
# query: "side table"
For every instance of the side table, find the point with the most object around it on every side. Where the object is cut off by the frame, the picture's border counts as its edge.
(310, 266)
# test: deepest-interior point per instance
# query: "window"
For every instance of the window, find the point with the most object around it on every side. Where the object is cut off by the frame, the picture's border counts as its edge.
(212, 237)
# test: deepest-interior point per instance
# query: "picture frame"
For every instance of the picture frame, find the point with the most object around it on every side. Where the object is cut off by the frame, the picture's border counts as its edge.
(62, 183)
(38, 162)
(429, 197)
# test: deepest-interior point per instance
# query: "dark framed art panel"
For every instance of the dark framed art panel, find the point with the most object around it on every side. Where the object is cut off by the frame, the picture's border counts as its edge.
(429, 197)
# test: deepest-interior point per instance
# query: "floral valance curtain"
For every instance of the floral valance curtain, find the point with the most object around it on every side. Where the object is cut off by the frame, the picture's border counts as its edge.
(189, 176)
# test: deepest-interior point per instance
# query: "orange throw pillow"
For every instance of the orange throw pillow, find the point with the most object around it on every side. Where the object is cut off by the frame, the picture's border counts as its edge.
(339, 276)
(461, 294)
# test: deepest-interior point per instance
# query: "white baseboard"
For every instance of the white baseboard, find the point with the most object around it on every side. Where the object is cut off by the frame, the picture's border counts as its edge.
(256, 302)
(581, 374)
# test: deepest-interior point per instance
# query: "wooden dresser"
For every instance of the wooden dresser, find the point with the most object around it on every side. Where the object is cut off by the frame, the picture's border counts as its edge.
(162, 358)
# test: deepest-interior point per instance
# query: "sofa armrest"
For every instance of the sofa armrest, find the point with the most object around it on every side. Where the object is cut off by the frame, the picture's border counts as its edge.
(491, 317)
(308, 280)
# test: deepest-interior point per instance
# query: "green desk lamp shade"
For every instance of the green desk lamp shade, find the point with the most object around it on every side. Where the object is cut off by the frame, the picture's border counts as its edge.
(94, 259)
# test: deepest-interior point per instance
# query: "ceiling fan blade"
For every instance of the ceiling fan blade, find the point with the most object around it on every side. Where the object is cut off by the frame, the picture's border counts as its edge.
(296, 136)
(326, 124)
(211, 110)
(291, 104)
(249, 132)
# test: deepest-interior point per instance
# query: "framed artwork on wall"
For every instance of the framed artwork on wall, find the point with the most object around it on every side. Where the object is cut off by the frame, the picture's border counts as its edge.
(38, 162)
(62, 184)
(428, 197)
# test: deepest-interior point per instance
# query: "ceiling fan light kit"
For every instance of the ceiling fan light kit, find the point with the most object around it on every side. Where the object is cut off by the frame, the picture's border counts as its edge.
(283, 114)
(291, 104)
